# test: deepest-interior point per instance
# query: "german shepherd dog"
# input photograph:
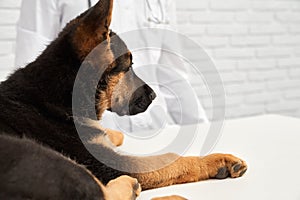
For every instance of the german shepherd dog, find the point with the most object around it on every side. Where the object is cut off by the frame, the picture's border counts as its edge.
(39, 143)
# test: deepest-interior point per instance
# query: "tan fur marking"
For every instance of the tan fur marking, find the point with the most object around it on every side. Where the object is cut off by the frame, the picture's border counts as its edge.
(174, 197)
(106, 96)
(123, 188)
(116, 137)
(190, 169)
(113, 81)
(93, 29)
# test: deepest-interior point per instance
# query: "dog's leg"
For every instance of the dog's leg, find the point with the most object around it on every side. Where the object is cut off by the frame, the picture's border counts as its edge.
(191, 169)
(122, 188)
(116, 137)
(173, 197)
(157, 171)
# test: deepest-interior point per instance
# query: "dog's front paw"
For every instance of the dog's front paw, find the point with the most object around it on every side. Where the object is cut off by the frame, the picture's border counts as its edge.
(221, 166)
(116, 137)
(174, 197)
(123, 188)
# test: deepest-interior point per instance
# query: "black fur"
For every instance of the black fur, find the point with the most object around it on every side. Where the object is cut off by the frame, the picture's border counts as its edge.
(31, 171)
(36, 104)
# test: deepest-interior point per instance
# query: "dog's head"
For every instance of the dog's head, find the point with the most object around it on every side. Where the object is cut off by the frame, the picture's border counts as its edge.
(119, 89)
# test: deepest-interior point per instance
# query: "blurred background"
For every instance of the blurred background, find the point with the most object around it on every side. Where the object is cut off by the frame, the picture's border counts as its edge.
(255, 45)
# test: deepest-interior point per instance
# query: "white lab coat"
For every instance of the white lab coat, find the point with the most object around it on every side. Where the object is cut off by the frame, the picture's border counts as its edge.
(41, 21)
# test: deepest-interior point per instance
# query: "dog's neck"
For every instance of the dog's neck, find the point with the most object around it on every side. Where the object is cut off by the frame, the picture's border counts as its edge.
(48, 81)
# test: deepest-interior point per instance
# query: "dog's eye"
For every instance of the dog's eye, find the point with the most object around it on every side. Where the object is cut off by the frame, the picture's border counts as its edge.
(117, 70)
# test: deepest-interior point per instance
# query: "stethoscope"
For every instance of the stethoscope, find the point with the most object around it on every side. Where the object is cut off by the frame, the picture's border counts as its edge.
(155, 18)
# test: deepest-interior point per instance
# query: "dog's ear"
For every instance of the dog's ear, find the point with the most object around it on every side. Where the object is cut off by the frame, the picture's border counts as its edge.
(92, 28)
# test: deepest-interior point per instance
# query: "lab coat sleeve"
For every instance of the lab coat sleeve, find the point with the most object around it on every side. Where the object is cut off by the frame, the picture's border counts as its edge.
(38, 25)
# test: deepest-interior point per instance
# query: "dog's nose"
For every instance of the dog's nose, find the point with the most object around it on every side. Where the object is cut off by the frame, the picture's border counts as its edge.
(151, 94)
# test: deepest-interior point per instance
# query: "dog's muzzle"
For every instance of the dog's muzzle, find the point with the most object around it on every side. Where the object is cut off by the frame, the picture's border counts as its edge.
(141, 100)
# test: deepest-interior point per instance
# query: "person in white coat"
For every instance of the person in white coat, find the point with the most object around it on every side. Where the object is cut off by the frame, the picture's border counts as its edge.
(41, 21)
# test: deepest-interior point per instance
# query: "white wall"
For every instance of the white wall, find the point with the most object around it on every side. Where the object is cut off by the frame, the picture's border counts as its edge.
(255, 44)
(9, 14)
(256, 47)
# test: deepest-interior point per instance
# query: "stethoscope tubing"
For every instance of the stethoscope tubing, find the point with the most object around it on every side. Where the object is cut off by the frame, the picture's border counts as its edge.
(154, 18)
